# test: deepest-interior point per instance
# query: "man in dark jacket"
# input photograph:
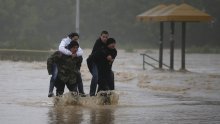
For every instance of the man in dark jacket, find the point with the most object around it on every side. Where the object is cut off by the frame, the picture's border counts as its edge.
(105, 58)
(68, 68)
(92, 63)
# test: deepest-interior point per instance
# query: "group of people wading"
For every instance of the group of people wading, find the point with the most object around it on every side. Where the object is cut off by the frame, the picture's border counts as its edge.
(64, 65)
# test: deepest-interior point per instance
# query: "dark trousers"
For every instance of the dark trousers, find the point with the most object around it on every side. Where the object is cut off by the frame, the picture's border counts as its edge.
(94, 71)
(60, 85)
(80, 83)
(54, 76)
(111, 82)
(106, 81)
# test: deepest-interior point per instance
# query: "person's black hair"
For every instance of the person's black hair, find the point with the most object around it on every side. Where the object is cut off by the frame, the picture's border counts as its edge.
(104, 32)
(72, 44)
(110, 41)
(71, 35)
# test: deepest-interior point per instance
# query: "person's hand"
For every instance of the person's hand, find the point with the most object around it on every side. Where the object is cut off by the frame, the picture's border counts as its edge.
(109, 58)
(74, 55)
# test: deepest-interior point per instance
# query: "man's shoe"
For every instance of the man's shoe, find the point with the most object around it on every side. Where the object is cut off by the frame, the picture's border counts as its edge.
(50, 94)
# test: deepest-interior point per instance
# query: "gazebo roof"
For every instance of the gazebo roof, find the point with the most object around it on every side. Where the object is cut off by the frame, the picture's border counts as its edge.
(183, 12)
(146, 15)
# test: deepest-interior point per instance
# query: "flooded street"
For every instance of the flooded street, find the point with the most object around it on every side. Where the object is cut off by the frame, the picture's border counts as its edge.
(24, 88)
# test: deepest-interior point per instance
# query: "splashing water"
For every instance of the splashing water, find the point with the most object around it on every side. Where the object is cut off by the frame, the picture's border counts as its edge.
(102, 98)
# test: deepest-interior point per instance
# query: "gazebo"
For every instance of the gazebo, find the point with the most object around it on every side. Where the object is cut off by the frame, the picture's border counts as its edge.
(173, 13)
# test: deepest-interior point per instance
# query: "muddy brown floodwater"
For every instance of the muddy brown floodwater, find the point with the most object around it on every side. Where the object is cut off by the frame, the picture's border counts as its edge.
(145, 96)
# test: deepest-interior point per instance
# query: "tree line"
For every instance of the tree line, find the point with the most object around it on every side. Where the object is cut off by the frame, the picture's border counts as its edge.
(40, 24)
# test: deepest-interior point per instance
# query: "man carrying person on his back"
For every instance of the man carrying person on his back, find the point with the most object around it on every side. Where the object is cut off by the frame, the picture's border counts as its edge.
(92, 63)
(105, 58)
(67, 69)
(62, 48)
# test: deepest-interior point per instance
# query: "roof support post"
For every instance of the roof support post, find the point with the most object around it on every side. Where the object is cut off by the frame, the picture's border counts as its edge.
(161, 45)
(183, 45)
(172, 26)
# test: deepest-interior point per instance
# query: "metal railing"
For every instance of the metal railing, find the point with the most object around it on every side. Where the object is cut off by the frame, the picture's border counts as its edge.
(145, 62)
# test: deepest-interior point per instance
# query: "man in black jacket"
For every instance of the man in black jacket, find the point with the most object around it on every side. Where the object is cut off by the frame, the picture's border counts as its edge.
(105, 58)
(92, 63)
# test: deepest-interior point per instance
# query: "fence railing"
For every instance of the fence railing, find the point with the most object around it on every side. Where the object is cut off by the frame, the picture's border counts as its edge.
(145, 62)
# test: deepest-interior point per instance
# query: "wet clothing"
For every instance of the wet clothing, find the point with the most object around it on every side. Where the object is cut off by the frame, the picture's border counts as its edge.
(94, 71)
(65, 42)
(60, 85)
(62, 48)
(53, 78)
(111, 82)
(68, 68)
(79, 83)
(98, 46)
(92, 65)
(105, 74)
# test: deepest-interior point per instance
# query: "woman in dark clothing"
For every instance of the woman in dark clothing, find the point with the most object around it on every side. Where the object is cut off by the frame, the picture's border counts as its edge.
(105, 58)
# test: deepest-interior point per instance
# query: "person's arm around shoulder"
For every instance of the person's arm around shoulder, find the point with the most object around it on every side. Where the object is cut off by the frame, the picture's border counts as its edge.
(114, 53)
(111, 57)
(62, 47)
(79, 52)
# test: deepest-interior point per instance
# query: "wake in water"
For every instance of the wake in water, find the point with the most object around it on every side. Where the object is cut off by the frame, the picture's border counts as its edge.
(102, 98)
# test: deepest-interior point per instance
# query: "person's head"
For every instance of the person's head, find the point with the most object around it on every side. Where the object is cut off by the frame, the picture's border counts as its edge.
(110, 43)
(73, 46)
(104, 36)
(74, 36)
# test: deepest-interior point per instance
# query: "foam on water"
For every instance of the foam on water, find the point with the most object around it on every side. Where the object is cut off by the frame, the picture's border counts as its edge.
(102, 98)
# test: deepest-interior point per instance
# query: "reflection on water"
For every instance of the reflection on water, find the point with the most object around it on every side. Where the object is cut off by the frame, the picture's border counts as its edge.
(80, 114)
(65, 115)
(102, 116)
